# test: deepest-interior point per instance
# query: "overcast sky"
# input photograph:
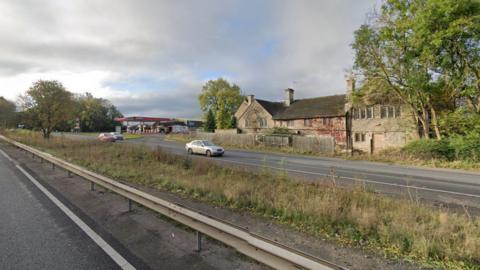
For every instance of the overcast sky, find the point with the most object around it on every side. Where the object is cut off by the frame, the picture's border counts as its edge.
(152, 57)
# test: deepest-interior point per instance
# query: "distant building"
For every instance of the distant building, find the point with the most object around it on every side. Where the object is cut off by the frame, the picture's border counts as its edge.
(144, 124)
(312, 116)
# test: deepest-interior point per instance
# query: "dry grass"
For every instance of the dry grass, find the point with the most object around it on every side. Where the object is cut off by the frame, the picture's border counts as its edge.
(395, 228)
(393, 155)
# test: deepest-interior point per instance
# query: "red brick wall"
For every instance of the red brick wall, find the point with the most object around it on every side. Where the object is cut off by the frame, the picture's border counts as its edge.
(334, 126)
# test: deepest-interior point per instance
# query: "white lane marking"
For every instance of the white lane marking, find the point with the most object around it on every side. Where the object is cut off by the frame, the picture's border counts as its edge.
(124, 264)
(355, 179)
(6, 156)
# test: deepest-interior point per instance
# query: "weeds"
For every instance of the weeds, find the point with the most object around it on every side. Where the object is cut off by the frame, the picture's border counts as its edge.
(396, 228)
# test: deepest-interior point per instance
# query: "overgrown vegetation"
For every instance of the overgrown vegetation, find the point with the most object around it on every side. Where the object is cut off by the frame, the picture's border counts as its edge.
(219, 100)
(397, 228)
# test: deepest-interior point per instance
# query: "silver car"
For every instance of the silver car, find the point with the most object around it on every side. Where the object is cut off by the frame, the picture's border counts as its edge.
(117, 136)
(204, 147)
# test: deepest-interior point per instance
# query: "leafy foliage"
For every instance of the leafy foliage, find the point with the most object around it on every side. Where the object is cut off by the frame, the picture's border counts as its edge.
(47, 105)
(223, 99)
(210, 122)
(7, 113)
(96, 114)
(425, 52)
(460, 122)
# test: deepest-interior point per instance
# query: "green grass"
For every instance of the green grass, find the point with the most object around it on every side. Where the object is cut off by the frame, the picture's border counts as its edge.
(404, 229)
(126, 136)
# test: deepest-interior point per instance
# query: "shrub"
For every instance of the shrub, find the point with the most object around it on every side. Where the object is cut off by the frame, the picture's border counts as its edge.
(431, 149)
(460, 122)
(466, 147)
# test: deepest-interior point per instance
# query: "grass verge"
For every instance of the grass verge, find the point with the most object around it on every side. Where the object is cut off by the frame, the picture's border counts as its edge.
(126, 136)
(432, 237)
(393, 155)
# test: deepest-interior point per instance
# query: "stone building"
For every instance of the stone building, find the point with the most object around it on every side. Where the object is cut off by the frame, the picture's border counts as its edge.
(367, 128)
(374, 127)
(322, 116)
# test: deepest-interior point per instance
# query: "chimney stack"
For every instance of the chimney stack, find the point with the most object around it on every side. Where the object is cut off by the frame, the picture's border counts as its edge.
(350, 84)
(289, 96)
(250, 99)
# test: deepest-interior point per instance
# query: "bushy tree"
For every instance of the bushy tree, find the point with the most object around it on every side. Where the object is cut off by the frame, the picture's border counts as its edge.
(210, 125)
(223, 99)
(96, 114)
(47, 105)
(425, 52)
(7, 113)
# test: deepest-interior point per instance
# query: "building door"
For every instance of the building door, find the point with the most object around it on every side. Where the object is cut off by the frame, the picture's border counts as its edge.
(377, 142)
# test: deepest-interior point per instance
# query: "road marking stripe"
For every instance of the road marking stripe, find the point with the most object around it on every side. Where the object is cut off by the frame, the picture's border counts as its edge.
(355, 179)
(6, 156)
(124, 264)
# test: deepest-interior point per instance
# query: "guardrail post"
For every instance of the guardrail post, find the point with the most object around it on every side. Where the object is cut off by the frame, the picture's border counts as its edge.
(92, 186)
(53, 166)
(129, 205)
(199, 241)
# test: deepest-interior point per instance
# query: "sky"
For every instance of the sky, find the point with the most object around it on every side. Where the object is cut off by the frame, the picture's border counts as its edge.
(151, 58)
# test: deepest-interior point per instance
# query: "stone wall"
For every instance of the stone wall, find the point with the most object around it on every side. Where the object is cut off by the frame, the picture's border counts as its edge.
(320, 126)
(249, 119)
(377, 133)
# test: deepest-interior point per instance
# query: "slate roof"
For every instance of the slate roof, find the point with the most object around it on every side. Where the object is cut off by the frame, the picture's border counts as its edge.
(272, 107)
(306, 108)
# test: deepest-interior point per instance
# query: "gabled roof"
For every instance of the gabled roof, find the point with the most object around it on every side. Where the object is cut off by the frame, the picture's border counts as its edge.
(312, 107)
(272, 107)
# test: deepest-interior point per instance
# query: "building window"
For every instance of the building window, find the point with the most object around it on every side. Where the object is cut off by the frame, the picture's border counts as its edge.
(355, 112)
(383, 112)
(307, 122)
(359, 137)
(369, 112)
(397, 111)
(247, 123)
(363, 113)
(327, 121)
(262, 122)
(390, 112)
(290, 123)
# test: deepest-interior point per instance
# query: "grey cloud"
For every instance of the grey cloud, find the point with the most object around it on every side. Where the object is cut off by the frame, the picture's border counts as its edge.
(182, 40)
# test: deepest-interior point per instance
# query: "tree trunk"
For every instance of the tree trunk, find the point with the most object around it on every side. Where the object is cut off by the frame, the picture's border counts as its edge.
(435, 124)
(425, 123)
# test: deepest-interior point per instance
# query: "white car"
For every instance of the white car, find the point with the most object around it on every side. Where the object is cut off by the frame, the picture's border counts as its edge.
(117, 136)
(204, 147)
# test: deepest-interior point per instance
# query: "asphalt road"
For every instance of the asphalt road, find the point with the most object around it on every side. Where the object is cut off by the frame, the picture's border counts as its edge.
(440, 186)
(36, 234)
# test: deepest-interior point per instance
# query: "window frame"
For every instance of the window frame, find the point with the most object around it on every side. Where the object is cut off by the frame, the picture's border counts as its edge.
(307, 122)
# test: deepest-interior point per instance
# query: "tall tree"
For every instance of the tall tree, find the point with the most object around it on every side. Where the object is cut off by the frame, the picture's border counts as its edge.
(448, 32)
(403, 49)
(209, 122)
(47, 105)
(7, 113)
(223, 99)
(96, 114)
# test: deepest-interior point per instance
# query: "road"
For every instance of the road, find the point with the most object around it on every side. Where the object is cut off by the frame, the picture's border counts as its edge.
(447, 186)
(36, 234)
(441, 186)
